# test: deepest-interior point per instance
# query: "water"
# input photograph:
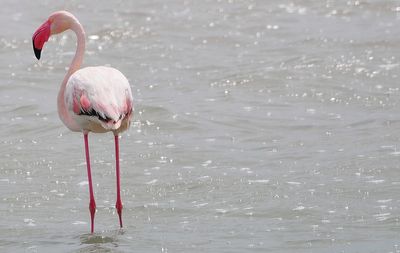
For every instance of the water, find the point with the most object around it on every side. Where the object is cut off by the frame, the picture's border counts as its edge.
(260, 126)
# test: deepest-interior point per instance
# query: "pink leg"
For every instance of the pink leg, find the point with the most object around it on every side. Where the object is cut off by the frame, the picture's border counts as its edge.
(118, 204)
(92, 203)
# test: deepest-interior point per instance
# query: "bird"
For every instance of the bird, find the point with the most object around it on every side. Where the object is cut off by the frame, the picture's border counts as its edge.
(91, 99)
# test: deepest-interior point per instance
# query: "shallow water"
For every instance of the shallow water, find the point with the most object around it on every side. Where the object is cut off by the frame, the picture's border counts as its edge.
(260, 126)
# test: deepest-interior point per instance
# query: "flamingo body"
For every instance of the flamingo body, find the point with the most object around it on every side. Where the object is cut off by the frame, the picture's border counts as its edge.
(99, 99)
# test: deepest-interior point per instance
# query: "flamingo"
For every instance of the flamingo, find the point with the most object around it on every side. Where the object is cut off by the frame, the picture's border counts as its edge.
(91, 99)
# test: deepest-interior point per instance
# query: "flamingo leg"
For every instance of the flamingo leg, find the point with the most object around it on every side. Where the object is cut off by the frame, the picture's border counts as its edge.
(118, 204)
(92, 203)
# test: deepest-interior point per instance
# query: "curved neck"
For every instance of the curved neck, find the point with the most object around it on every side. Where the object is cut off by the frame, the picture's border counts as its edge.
(74, 66)
(80, 50)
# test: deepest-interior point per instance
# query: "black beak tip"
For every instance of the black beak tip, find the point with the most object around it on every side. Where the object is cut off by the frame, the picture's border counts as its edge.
(37, 51)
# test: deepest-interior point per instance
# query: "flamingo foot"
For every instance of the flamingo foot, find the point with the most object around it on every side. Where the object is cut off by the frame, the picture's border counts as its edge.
(92, 209)
(118, 206)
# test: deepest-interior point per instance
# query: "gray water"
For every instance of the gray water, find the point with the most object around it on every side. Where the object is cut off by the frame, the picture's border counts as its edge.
(260, 126)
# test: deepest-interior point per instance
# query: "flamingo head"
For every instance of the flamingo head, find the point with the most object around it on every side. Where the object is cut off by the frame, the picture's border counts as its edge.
(58, 22)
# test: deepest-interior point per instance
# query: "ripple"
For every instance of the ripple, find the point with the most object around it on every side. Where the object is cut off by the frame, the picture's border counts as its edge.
(376, 181)
(259, 181)
(299, 208)
(103, 237)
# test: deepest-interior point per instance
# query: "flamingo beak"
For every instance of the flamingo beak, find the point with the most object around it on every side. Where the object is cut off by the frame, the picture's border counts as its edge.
(41, 35)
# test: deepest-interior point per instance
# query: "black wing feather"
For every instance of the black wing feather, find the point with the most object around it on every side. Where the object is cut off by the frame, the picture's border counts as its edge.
(93, 113)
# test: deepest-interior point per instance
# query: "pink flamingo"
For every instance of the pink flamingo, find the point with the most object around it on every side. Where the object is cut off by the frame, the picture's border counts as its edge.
(91, 99)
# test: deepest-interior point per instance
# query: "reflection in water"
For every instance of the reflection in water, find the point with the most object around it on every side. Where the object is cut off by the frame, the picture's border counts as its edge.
(103, 237)
(97, 249)
(106, 241)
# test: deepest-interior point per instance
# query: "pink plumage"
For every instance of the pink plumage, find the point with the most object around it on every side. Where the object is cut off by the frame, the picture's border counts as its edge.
(100, 90)
(91, 99)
